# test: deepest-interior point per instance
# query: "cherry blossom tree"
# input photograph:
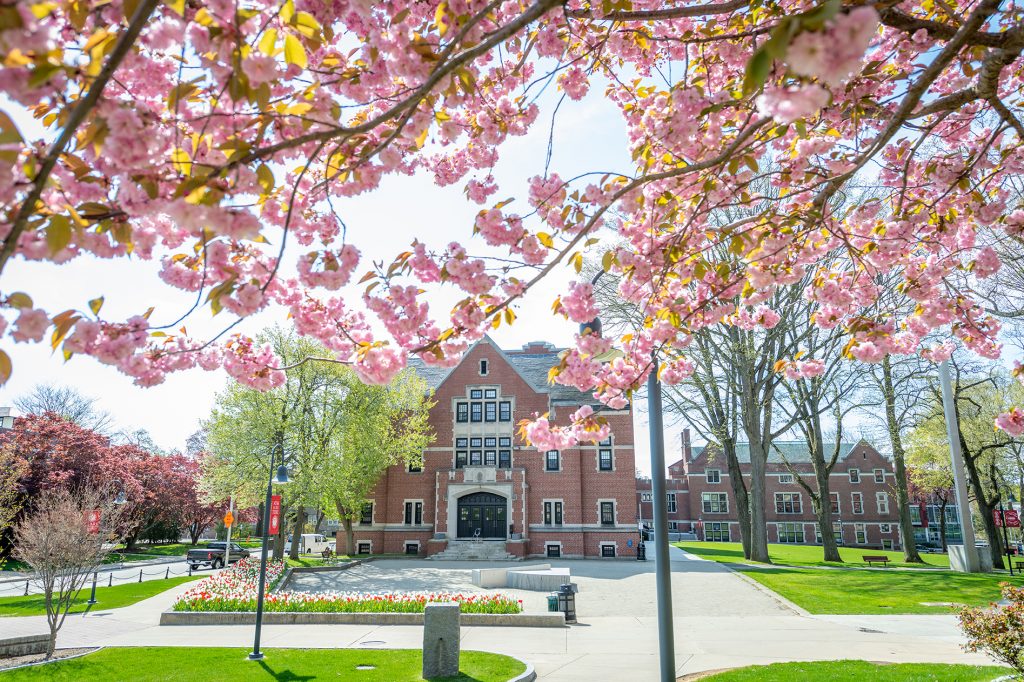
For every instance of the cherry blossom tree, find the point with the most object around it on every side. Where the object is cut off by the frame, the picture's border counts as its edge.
(214, 139)
(194, 512)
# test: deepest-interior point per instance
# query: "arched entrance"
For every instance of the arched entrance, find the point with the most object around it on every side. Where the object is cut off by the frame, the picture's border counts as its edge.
(485, 512)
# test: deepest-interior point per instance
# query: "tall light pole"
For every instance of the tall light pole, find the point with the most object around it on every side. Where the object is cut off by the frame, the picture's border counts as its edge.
(662, 565)
(282, 478)
(959, 483)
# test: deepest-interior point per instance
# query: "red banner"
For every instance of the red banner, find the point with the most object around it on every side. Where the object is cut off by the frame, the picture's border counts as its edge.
(1010, 515)
(92, 520)
(275, 514)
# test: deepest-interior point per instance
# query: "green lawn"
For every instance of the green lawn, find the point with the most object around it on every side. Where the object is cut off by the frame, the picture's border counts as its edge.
(877, 592)
(314, 560)
(106, 597)
(805, 555)
(859, 671)
(154, 664)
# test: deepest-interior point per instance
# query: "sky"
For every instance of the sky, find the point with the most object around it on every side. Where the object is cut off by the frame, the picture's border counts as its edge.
(587, 135)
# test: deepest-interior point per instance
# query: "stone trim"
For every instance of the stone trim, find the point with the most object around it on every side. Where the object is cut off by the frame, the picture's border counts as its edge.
(526, 620)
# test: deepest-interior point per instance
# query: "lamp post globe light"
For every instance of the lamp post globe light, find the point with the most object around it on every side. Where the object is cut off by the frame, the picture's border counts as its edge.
(281, 478)
(662, 567)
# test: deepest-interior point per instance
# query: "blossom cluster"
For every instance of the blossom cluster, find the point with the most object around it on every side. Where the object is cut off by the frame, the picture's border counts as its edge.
(227, 133)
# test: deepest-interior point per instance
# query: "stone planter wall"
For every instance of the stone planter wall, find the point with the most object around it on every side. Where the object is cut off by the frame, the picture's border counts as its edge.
(529, 620)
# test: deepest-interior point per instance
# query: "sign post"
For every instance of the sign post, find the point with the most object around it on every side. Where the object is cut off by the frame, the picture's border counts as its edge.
(229, 519)
(1004, 519)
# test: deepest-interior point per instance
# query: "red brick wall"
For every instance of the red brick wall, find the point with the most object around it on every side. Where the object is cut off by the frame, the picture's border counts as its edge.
(579, 483)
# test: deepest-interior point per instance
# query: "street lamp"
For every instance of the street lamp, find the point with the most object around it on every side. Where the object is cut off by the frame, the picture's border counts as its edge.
(281, 478)
(662, 567)
(120, 499)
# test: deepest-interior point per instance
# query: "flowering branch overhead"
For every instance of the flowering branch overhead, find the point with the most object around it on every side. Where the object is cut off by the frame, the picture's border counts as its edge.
(198, 135)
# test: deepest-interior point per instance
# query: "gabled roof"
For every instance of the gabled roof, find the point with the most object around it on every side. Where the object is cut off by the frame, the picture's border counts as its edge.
(795, 451)
(532, 368)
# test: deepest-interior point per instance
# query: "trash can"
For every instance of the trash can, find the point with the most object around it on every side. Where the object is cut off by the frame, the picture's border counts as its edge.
(567, 601)
(553, 602)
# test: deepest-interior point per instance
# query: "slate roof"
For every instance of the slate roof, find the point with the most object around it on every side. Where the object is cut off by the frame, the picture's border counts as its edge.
(532, 367)
(795, 451)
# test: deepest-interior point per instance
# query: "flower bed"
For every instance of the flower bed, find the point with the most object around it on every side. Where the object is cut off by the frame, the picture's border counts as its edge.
(235, 590)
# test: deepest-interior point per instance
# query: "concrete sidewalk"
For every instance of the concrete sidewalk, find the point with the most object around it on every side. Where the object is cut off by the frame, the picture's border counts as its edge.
(720, 622)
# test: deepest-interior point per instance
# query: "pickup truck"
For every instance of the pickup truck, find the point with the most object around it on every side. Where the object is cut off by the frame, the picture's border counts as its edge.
(213, 555)
(311, 543)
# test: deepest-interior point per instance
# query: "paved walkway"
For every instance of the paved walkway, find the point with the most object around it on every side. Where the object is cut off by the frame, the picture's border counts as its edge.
(720, 621)
(157, 568)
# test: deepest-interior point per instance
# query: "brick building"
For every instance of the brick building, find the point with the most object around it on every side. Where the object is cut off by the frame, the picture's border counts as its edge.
(862, 486)
(480, 480)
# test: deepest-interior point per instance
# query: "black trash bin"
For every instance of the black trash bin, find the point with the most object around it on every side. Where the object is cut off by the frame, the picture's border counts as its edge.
(567, 601)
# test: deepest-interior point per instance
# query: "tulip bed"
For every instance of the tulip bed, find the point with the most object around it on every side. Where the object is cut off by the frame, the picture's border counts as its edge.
(236, 589)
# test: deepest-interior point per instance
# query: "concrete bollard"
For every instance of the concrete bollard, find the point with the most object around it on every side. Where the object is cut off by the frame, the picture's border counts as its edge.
(440, 640)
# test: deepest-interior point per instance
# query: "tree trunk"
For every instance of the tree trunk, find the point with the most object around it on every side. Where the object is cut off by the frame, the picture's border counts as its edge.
(823, 511)
(297, 529)
(320, 516)
(130, 542)
(942, 525)
(984, 509)
(739, 490)
(910, 554)
(758, 526)
(194, 531)
(346, 521)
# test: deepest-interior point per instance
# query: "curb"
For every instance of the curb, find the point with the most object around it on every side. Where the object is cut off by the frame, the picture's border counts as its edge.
(528, 620)
(799, 610)
(529, 675)
(58, 660)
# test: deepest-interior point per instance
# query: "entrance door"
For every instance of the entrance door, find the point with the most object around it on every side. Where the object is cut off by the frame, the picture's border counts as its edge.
(484, 512)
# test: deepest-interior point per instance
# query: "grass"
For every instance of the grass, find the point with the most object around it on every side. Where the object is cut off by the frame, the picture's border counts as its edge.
(158, 664)
(314, 560)
(858, 671)
(106, 597)
(806, 555)
(877, 592)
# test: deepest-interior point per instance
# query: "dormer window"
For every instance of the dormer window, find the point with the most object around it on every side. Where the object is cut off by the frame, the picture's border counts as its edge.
(483, 368)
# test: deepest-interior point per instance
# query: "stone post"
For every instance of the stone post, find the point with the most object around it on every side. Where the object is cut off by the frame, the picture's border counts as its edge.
(440, 640)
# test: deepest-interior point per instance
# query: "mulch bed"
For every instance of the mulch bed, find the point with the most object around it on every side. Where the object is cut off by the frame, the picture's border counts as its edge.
(15, 661)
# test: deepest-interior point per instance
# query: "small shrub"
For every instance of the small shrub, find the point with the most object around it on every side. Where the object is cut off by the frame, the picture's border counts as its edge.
(998, 630)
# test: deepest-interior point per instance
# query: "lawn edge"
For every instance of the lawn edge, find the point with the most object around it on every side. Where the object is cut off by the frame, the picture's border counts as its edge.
(796, 608)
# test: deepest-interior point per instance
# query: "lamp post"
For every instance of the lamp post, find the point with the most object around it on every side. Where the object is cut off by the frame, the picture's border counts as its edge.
(662, 567)
(121, 498)
(281, 478)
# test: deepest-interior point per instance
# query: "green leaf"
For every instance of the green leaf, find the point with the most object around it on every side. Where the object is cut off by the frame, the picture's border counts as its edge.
(758, 68)
(19, 300)
(268, 41)
(265, 176)
(9, 135)
(6, 368)
(294, 52)
(58, 233)
(95, 305)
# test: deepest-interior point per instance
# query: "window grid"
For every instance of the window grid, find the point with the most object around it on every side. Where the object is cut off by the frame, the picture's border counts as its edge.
(713, 475)
(788, 503)
(607, 513)
(552, 460)
(715, 503)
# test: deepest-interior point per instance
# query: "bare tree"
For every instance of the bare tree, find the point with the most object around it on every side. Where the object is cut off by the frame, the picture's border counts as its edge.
(68, 403)
(65, 540)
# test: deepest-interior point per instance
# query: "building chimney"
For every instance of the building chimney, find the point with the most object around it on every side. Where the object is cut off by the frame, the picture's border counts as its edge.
(687, 450)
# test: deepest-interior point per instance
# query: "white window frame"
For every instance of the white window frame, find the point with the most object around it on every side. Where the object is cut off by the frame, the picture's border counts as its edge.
(715, 478)
(854, 475)
(553, 543)
(646, 496)
(405, 547)
(854, 499)
(413, 502)
(838, 503)
(612, 544)
(670, 502)
(796, 500)
(879, 475)
(543, 510)
(786, 479)
(360, 543)
(791, 525)
(860, 530)
(615, 513)
(882, 502)
(722, 497)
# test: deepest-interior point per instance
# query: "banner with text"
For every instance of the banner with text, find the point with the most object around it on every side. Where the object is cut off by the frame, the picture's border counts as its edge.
(275, 514)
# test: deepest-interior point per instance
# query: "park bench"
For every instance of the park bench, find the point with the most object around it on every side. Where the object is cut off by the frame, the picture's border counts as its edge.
(871, 559)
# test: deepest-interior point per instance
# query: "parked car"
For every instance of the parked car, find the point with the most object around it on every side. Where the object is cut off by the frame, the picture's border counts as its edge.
(311, 543)
(928, 549)
(213, 555)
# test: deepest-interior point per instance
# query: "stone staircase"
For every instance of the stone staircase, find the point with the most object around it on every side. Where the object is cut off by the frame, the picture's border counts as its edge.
(474, 550)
